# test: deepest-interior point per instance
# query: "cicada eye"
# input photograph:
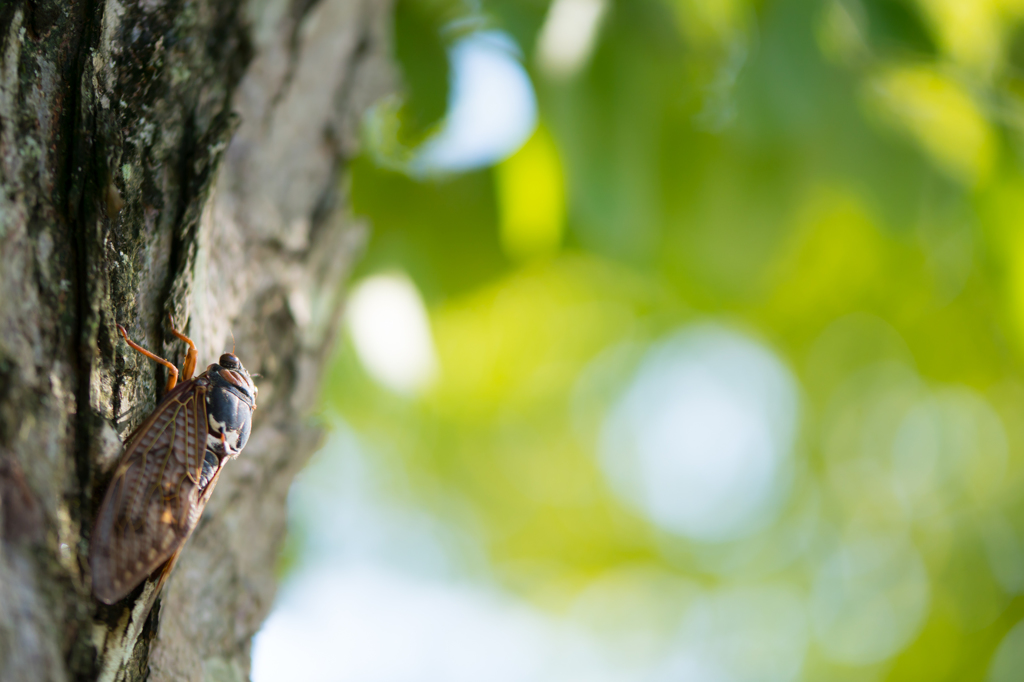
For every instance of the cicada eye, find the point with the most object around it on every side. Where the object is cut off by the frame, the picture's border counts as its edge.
(230, 361)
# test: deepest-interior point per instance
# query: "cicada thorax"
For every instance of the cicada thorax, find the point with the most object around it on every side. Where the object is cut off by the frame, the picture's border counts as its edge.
(168, 471)
(230, 401)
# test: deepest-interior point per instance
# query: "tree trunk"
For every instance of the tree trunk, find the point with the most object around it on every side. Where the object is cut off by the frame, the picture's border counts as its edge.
(164, 156)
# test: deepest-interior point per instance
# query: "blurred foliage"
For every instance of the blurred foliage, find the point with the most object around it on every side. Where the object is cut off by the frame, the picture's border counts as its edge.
(420, 49)
(840, 180)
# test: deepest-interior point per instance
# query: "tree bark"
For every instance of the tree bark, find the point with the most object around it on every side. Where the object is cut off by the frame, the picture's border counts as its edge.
(164, 156)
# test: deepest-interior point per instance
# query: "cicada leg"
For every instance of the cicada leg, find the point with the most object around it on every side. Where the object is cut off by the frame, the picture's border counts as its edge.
(172, 380)
(189, 366)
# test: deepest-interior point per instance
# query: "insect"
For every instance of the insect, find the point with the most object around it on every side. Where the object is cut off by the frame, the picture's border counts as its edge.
(168, 471)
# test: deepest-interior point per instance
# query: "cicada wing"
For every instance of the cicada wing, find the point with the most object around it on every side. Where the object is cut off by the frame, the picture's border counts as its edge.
(154, 501)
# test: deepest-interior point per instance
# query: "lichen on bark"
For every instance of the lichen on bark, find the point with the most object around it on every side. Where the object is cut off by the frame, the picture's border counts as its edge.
(182, 156)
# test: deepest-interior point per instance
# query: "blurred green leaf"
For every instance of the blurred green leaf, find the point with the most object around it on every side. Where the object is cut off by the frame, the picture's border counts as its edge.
(897, 26)
(443, 232)
(421, 53)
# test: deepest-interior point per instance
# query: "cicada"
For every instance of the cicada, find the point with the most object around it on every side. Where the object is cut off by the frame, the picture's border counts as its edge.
(168, 470)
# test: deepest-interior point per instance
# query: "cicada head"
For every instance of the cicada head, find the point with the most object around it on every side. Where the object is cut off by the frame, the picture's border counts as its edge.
(230, 401)
(230, 368)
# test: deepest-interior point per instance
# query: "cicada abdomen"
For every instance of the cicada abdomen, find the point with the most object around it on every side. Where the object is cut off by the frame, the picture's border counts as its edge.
(168, 471)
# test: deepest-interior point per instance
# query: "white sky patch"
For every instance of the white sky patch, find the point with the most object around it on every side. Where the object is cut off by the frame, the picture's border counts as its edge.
(492, 109)
(701, 440)
(569, 35)
(390, 329)
(374, 625)
(381, 594)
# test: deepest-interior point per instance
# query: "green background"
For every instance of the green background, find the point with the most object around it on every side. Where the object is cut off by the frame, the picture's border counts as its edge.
(839, 182)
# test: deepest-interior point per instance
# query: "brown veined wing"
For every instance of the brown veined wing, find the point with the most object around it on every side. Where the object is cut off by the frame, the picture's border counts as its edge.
(154, 500)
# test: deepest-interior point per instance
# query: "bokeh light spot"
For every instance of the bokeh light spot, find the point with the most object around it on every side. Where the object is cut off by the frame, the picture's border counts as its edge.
(1008, 661)
(746, 634)
(389, 327)
(700, 440)
(870, 599)
(568, 36)
(492, 109)
(952, 445)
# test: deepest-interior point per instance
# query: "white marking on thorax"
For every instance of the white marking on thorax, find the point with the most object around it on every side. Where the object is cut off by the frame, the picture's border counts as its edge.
(213, 437)
(213, 442)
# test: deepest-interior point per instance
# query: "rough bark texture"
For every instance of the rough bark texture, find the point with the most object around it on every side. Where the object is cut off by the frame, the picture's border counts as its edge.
(182, 156)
